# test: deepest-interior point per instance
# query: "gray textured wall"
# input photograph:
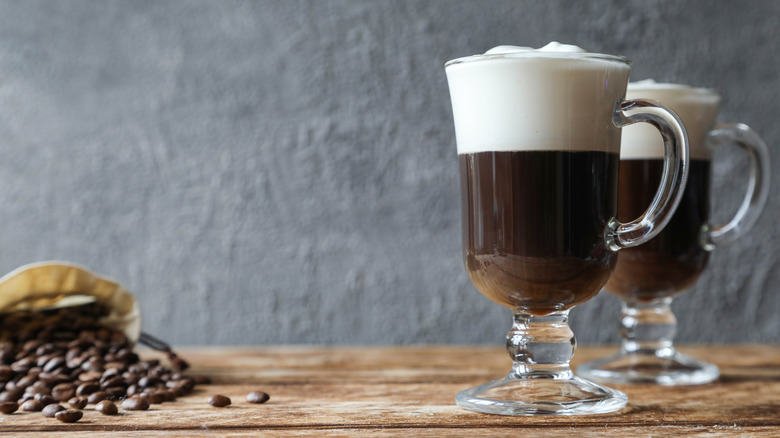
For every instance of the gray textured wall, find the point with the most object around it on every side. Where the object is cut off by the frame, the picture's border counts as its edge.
(285, 171)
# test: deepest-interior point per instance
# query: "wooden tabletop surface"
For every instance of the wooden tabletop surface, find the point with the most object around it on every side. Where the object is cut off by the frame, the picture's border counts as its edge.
(394, 391)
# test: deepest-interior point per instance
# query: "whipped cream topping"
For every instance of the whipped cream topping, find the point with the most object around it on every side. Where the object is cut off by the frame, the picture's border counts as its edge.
(696, 107)
(558, 97)
(553, 47)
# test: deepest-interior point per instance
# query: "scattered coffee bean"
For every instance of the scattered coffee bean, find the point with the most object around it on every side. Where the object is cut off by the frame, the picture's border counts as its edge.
(69, 415)
(8, 407)
(45, 399)
(202, 380)
(87, 388)
(97, 397)
(78, 402)
(50, 410)
(219, 401)
(115, 392)
(55, 356)
(90, 376)
(32, 405)
(6, 373)
(154, 398)
(106, 408)
(9, 396)
(135, 403)
(64, 391)
(257, 397)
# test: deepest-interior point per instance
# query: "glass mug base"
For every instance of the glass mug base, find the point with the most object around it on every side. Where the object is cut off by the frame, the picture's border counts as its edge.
(650, 367)
(541, 395)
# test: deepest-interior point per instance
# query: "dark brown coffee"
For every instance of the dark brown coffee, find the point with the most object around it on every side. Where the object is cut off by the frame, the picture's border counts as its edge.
(672, 261)
(534, 224)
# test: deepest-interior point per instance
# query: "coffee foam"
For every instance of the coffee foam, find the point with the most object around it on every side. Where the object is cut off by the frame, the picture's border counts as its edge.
(696, 107)
(557, 98)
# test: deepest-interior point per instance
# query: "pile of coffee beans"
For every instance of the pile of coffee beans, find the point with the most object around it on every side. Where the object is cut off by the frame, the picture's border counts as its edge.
(66, 356)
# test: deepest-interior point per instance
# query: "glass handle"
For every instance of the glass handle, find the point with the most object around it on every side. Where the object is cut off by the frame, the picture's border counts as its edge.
(758, 186)
(675, 172)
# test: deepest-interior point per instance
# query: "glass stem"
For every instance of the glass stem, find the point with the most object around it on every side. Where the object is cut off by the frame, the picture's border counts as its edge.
(541, 346)
(648, 328)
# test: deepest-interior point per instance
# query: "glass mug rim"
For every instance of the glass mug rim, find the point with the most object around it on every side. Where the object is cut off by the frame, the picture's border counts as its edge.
(584, 56)
(670, 87)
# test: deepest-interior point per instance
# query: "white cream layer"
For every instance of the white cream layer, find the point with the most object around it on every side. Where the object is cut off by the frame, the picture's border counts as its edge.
(555, 98)
(696, 107)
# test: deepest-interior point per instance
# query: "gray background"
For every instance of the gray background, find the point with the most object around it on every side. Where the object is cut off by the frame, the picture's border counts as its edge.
(285, 171)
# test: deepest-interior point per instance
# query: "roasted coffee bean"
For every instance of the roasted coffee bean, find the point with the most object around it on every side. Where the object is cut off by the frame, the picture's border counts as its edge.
(22, 366)
(126, 355)
(46, 350)
(257, 397)
(133, 390)
(130, 378)
(201, 380)
(52, 378)
(64, 391)
(45, 399)
(32, 405)
(118, 365)
(51, 409)
(8, 407)
(87, 388)
(135, 403)
(78, 402)
(97, 397)
(93, 364)
(106, 408)
(42, 360)
(53, 364)
(6, 373)
(6, 357)
(90, 376)
(69, 416)
(114, 381)
(32, 345)
(147, 382)
(169, 396)
(10, 395)
(109, 373)
(25, 381)
(219, 401)
(158, 371)
(115, 392)
(187, 384)
(154, 398)
(38, 387)
(177, 362)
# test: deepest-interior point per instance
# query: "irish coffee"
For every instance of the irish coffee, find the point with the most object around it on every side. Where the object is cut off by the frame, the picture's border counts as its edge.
(671, 262)
(538, 135)
(534, 224)
(647, 277)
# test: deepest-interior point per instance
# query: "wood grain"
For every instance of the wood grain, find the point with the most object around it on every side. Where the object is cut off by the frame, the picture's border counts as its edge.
(391, 391)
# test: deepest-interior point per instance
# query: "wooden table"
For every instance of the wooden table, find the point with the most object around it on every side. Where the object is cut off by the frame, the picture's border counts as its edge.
(401, 391)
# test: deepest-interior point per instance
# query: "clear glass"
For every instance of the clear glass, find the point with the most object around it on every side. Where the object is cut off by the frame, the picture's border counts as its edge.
(658, 271)
(538, 146)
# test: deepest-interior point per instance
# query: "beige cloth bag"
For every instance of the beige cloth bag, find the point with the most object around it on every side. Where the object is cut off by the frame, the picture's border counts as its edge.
(55, 284)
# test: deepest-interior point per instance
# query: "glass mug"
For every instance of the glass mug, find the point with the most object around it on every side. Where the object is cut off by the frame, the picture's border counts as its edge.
(646, 278)
(538, 143)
